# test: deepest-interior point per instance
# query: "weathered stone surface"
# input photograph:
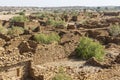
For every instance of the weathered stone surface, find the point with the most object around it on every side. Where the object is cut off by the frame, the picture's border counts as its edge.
(71, 26)
(118, 59)
(2, 42)
(94, 62)
(111, 13)
(37, 29)
(29, 46)
(42, 22)
(96, 33)
(5, 37)
(113, 20)
(74, 18)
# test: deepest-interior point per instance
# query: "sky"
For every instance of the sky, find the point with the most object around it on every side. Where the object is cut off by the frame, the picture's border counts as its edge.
(57, 3)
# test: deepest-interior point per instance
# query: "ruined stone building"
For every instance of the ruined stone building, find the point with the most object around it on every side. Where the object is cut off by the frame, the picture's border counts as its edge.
(15, 67)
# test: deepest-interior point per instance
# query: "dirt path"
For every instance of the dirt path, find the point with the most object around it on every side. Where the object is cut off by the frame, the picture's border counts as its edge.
(70, 67)
(78, 70)
(76, 65)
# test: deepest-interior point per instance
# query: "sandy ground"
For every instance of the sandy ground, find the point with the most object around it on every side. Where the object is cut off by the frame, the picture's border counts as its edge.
(7, 17)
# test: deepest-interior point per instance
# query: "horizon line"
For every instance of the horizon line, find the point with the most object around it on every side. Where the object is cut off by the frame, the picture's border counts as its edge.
(62, 6)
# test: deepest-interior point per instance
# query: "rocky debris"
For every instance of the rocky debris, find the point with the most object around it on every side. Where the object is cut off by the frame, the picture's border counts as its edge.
(29, 46)
(74, 18)
(5, 37)
(75, 69)
(65, 18)
(26, 32)
(112, 73)
(42, 22)
(60, 27)
(112, 51)
(111, 13)
(94, 62)
(113, 20)
(31, 17)
(96, 33)
(13, 43)
(8, 60)
(92, 34)
(115, 40)
(6, 23)
(62, 32)
(77, 32)
(70, 37)
(108, 39)
(37, 29)
(2, 42)
(118, 59)
(48, 58)
(71, 26)
(91, 24)
(112, 45)
(79, 25)
(2, 50)
(52, 52)
(21, 24)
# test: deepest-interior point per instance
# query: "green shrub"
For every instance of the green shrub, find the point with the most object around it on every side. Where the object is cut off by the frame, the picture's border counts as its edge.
(50, 22)
(46, 38)
(74, 13)
(40, 15)
(55, 23)
(21, 13)
(114, 30)
(19, 19)
(59, 23)
(61, 76)
(3, 30)
(87, 48)
(15, 30)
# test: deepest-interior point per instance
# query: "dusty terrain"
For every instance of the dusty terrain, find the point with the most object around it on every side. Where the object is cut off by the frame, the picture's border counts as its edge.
(47, 59)
(7, 17)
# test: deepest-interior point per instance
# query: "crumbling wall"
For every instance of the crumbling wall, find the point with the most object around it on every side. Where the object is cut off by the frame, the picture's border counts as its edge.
(111, 13)
(31, 24)
(20, 71)
(21, 24)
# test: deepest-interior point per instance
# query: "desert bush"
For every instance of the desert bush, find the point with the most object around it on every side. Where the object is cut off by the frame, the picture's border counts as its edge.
(74, 13)
(50, 22)
(87, 48)
(55, 23)
(114, 30)
(19, 19)
(61, 76)
(40, 15)
(15, 30)
(58, 23)
(21, 13)
(46, 38)
(3, 30)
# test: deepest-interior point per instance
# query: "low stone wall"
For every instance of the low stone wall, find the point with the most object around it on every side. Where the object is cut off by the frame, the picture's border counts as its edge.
(18, 71)
(27, 24)
(111, 13)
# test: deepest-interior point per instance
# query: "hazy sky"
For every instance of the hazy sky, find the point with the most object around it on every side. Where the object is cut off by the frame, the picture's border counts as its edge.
(49, 3)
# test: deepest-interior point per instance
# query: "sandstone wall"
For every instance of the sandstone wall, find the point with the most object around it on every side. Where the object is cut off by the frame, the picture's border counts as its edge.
(19, 71)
